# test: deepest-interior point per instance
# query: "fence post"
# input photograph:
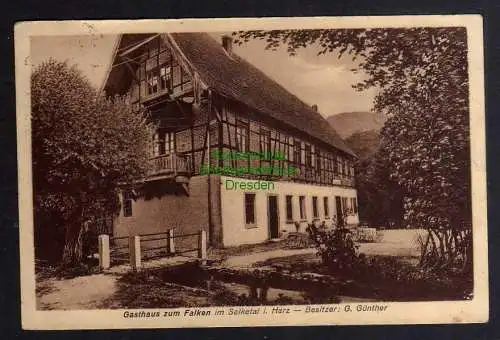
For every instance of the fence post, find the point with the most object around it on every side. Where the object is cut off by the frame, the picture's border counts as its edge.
(170, 241)
(202, 246)
(104, 258)
(134, 244)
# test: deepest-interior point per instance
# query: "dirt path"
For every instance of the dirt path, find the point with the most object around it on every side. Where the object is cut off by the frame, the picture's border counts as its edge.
(250, 259)
(84, 292)
(401, 243)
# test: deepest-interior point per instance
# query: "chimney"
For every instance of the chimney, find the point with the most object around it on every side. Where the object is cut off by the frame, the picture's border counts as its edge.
(227, 43)
(315, 107)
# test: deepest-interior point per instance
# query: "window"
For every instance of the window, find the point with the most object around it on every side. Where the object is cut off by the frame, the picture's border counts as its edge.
(318, 160)
(169, 142)
(159, 71)
(242, 136)
(165, 78)
(164, 143)
(127, 204)
(354, 204)
(152, 82)
(325, 206)
(265, 140)
(249, 208)
(297, 152)
(339, 165)
(345, 205)
(289, 149)
(308, 155)
(302, 207)
(315, 207)
(289, 206)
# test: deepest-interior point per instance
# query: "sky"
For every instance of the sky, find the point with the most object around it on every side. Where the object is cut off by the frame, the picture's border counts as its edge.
(322, 80)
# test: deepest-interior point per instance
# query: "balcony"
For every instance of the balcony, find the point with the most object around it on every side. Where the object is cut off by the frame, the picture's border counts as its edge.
(170, 166)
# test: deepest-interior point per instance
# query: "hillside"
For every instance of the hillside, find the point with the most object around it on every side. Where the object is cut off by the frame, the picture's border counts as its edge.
(364, 144)
(348, 123)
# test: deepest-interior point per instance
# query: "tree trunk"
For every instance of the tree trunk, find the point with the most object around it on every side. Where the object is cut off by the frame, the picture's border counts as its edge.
(73, 244)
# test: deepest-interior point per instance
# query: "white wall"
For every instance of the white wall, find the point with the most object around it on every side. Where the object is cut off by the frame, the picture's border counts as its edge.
(235, 231)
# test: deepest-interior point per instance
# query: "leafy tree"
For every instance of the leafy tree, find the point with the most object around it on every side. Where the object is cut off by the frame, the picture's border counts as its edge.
(84, 145)
(422, 78)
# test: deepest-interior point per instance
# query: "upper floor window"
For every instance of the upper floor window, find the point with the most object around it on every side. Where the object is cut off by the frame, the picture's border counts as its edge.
(265, 140)
(319, 160)
(164, 143)
(159, 71)
(339, 165)
(297, 152)
(152, 82)
(290, 149)
(165, 77)
(242, 136)
(308, 155)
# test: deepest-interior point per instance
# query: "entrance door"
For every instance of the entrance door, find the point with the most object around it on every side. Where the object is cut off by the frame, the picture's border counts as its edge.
(338, 206)
(272, 208)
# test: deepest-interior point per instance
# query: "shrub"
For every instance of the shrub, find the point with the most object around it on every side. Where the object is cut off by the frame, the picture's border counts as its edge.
(335, 247)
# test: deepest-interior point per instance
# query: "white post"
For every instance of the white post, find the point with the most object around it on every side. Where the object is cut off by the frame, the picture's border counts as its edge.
(104, 258)
(135, 252)
(170, 241)
(202, 245)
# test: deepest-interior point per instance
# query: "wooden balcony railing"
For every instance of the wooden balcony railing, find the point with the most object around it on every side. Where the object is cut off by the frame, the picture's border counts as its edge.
(170, 164)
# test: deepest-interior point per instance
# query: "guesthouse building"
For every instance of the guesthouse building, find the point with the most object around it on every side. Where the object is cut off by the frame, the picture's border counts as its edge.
(235, 153)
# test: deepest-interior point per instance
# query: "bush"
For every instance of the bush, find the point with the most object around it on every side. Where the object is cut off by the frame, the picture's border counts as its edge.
(335, 247)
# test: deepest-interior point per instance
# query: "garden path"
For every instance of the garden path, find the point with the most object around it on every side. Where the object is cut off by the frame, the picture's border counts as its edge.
(83, 292)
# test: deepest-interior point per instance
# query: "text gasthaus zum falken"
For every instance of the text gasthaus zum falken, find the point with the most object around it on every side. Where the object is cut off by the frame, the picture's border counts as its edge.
(244, 311)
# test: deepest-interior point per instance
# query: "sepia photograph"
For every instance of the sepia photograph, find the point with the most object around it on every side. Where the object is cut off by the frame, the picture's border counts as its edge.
(237, 172)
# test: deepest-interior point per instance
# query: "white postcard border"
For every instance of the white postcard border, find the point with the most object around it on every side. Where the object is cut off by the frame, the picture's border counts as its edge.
(474, 311)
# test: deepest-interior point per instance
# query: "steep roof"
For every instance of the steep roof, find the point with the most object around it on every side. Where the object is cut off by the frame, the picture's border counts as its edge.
(235, 78)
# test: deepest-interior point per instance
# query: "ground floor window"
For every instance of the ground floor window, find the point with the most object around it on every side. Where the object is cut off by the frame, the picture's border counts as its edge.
(345, 206)
(354, 204)
(127, 203)
(249, 208)
(325, 205)
(315, 207)
(289, 207)
(302, 207)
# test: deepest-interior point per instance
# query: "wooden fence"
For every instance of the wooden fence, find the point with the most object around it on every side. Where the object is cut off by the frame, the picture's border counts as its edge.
(116, 250)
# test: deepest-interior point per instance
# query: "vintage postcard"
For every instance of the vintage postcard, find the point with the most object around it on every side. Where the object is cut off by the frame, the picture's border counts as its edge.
(252, 172)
